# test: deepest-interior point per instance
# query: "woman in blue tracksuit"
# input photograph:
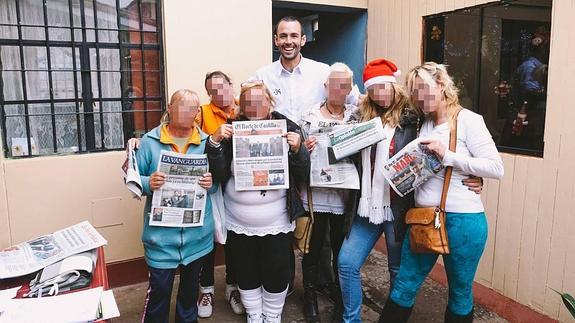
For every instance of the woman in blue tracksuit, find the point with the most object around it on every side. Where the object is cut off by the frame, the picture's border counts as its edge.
(167, 248)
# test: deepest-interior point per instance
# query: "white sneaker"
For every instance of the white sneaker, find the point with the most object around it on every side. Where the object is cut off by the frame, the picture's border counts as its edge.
(255, 318)
(206, 302)
(233, 297)
(272, 318)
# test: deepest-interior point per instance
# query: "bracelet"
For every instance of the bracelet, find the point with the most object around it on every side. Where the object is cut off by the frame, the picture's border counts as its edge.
(213, 143)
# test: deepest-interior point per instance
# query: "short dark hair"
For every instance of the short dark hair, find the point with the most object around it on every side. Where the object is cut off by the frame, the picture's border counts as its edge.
(288, 19)
(213, 74)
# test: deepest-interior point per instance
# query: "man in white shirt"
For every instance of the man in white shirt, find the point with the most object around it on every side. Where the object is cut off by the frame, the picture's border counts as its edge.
(296, 82)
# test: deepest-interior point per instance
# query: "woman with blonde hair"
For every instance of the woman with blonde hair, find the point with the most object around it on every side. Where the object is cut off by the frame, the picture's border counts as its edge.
(169, 248)
(433, 90)
(259, 222)
(378, 209)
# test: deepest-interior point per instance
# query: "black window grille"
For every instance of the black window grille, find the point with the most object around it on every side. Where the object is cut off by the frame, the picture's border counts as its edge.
(78, 75)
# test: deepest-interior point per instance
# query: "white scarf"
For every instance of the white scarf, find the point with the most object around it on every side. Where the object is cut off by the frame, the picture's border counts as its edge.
(374, 203)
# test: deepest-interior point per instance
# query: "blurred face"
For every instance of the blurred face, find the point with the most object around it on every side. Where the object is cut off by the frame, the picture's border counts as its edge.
(289, 39)
(382, 94)
(427, 97)
(338, 87)
(220, 91)
(183, 113)
(255, 104)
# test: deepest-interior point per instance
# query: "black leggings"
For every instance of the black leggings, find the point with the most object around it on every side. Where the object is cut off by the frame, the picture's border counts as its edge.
(320, 225)
(260, 261)
(207, 274)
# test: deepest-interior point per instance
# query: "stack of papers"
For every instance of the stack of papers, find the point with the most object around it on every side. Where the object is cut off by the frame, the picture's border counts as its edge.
(83, 306)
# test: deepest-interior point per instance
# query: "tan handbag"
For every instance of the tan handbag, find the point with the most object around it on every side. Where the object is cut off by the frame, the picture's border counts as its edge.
(304, 226)
(427, 233)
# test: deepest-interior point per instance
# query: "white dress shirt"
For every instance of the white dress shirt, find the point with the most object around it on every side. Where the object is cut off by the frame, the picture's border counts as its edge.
(294, 92)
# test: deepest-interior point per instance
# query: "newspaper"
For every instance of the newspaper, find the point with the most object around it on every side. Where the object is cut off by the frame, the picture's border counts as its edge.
(181, 201)
(411, 167)
(33, 255)
(350, 139)
(132, 174)
(260, 155)
(325, 170)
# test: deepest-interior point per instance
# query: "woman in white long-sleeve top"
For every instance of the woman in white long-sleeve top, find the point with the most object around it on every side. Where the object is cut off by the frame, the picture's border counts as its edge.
(433, 90)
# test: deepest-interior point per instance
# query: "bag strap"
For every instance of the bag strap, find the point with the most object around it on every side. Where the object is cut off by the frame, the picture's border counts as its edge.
(310, 203)
(449, 169)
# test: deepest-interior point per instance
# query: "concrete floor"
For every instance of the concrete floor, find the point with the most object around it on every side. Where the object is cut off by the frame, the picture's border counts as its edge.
(430, 305)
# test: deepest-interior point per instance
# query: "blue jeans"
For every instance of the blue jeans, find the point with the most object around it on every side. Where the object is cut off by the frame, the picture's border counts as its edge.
(353, 254)
(157, 304)
(467, 233)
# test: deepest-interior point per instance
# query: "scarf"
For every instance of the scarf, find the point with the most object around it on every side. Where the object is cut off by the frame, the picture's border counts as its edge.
(374, 203)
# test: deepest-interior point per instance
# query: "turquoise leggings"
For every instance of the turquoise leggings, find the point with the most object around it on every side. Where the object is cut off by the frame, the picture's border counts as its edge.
(467, 233)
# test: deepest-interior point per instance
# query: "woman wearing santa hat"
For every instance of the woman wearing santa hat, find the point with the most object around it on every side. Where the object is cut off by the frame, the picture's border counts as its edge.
(380, 210)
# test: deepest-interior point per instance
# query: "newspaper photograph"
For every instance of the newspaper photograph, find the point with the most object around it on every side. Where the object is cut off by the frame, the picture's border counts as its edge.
(260, 154)
(181, 201)
(35, 254)
(350, 139)
(411, 167)
(325, 170)
(132, 175)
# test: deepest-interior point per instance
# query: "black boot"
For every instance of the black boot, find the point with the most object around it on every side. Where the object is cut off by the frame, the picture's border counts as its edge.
(310, 309)
(451, 317)
(394, 313)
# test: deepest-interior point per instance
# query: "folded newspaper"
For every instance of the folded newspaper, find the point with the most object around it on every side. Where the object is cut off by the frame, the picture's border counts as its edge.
(325, 170)
(181, 201)
(350, 139)
(35, 254)
(411, 167)
(132, 174)
(260, 155)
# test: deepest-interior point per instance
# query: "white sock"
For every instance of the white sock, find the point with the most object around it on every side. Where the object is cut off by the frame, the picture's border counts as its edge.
(252, 300)
(273, 303)
(207, 289)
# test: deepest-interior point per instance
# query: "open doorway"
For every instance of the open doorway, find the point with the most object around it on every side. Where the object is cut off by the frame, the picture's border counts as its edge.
(334, 34)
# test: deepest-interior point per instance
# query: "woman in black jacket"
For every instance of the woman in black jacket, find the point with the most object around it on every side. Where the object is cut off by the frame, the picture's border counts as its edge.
(259, 222)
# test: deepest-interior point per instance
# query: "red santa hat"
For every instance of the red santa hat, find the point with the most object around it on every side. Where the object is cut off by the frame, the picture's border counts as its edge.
(380, 71)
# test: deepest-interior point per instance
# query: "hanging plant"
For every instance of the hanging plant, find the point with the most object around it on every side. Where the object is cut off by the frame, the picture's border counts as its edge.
(569, 302)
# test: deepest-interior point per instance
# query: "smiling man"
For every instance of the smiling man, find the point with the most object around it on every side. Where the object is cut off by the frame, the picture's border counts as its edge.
(296, 82)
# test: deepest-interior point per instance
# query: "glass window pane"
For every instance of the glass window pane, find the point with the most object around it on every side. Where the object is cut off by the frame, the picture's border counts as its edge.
(16, 131)
(129, 15)
(8, 10)
(12, 86)
(113, 121)
(35, 58)
(150, 38)
(131, 37)
(107, 19)
(31, 12)
(110, 85)
(153, 114)
(41, 132)
(63, 85)
(151, 60)
(134, 84)
(149, 16)
(109, 59)
(59, 34)
(58, 12)
(153, 84)
(37, 85)
(61, 58)
(10, 56)
(66, 127)
(33, 33)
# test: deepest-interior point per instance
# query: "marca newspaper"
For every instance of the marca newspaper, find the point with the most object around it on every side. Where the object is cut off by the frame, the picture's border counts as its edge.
(411, 167)
(350, 139)
(35, 254)
(132, 175)
(260, 155)
(181, 201)
(325, 170)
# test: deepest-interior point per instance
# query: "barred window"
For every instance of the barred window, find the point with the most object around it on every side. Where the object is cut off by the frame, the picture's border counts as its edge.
(78, 75)
(498, 55)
